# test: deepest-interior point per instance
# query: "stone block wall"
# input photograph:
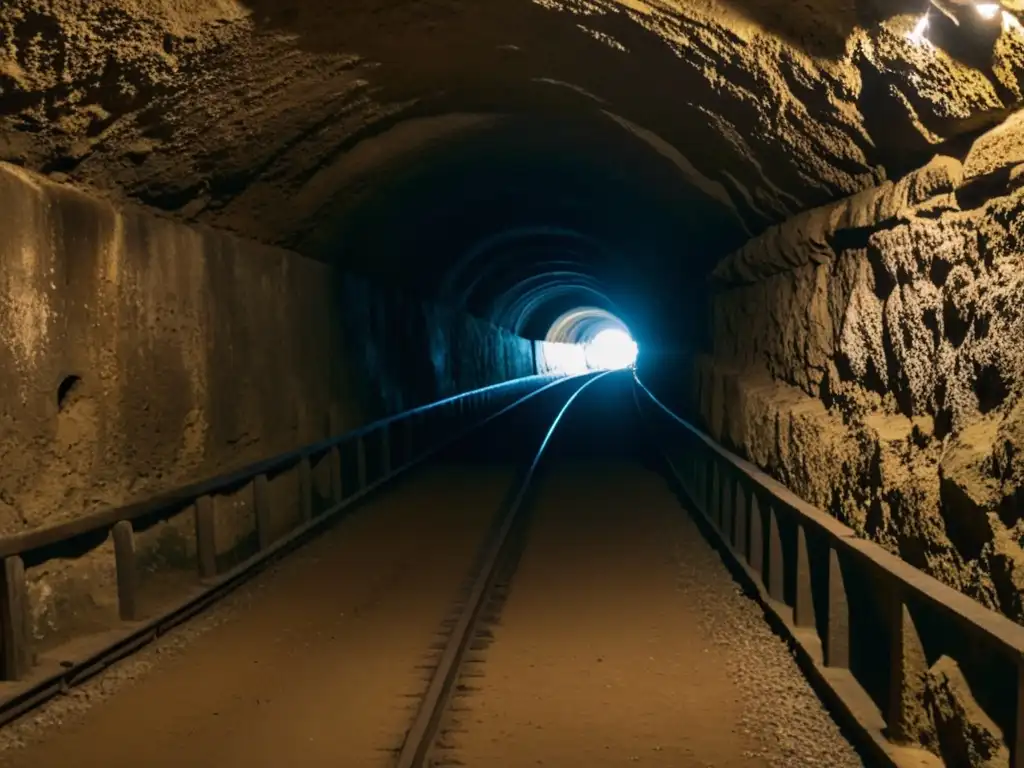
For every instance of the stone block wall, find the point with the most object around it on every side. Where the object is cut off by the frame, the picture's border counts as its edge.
(870, 355)
(137, 355)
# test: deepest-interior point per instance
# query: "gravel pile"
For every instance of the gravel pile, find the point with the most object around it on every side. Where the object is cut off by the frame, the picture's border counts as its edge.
(781, 710)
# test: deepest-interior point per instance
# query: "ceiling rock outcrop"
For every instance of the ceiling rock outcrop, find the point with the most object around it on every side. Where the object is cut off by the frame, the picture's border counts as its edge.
(278, 118)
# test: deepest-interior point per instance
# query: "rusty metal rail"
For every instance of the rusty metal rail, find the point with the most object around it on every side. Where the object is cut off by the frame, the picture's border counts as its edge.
(867, 625)
(421, 735)
(376, 454)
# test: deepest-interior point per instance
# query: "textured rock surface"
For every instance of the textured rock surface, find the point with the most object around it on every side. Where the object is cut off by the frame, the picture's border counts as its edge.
(244, 114)
(137, 355)
(970, 738)
(900, 362)
(884, 385)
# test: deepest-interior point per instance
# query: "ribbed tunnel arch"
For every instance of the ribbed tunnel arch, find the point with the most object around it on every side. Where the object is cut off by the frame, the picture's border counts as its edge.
(581, 325)
(234, 229)
(526, 216)
(458, 150)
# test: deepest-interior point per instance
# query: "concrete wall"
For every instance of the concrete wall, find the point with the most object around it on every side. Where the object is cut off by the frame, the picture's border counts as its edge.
(870, 355)
(137, 354)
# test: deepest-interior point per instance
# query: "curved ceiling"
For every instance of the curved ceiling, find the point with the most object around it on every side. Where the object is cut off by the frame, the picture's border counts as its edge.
(517, 157)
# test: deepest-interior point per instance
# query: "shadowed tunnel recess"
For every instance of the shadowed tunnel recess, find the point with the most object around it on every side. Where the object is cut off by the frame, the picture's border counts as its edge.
(526, 220)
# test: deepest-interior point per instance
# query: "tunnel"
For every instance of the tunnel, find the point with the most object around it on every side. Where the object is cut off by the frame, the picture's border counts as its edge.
(753, 261)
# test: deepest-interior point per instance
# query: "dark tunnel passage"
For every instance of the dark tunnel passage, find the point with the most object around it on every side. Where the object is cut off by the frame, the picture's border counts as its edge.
(528, 218)
(754, 269)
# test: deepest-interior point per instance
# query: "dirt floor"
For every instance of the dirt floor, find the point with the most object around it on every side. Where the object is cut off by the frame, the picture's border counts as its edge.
(622, 640)
(314, 663)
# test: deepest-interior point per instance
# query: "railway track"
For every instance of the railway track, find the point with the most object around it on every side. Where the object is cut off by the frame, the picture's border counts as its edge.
(477, 698)
(487, 587)
(563, 613)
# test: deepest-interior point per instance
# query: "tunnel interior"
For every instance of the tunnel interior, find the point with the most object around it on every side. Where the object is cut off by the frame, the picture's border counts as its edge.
(524, 219)
(247, 225)
(518, 160)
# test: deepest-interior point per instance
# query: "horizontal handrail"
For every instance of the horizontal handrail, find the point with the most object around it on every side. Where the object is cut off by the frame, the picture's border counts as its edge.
(1007, 633)
(804, 587)
(39, 538)
(26, 689)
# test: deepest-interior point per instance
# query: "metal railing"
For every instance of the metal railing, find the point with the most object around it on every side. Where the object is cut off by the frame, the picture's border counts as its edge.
(868, 626)
(370, 456)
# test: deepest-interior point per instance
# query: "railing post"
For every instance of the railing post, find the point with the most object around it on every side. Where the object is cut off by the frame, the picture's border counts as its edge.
(206, 541)
(715, 500)
(306, 489)
(755, 541)
(702, 493)
(725, 518)
(361, 463)
(776, 583)
(837, 635)
(803, 608)
(334, 467)
(739, 521)
(385, 450)
(408, 424)
(127, 573)
(906, 667)
(13, 604)
(1017, 744)
(261, 502)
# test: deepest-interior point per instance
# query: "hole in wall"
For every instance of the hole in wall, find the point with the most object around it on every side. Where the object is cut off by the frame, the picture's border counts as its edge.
(931, 321)
(69, 391)
(991, 388)
(939, 272)
(954, 323)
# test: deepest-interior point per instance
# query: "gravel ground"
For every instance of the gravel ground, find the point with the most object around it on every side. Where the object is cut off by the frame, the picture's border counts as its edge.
(624, 640)
(72, 706)
(780, 708)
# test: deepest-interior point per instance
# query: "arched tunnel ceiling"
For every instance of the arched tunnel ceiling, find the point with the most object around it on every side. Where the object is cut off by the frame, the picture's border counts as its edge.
(404, 135)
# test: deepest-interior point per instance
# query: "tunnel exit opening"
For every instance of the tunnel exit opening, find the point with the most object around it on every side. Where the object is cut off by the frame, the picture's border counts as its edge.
(610, 350)
(591, 339)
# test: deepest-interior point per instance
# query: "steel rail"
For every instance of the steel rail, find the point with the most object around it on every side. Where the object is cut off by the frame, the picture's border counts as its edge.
(421, 735)
(41, 685)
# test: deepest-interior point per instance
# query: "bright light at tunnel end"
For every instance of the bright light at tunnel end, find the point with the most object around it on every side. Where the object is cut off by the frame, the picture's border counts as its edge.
(611, 350)
(988, 11)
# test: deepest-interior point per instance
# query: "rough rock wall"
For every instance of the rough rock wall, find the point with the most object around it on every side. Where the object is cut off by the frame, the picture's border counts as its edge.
(137, 354)
(870, 354)
(400, 353)
(874, 364)
(241, 112)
